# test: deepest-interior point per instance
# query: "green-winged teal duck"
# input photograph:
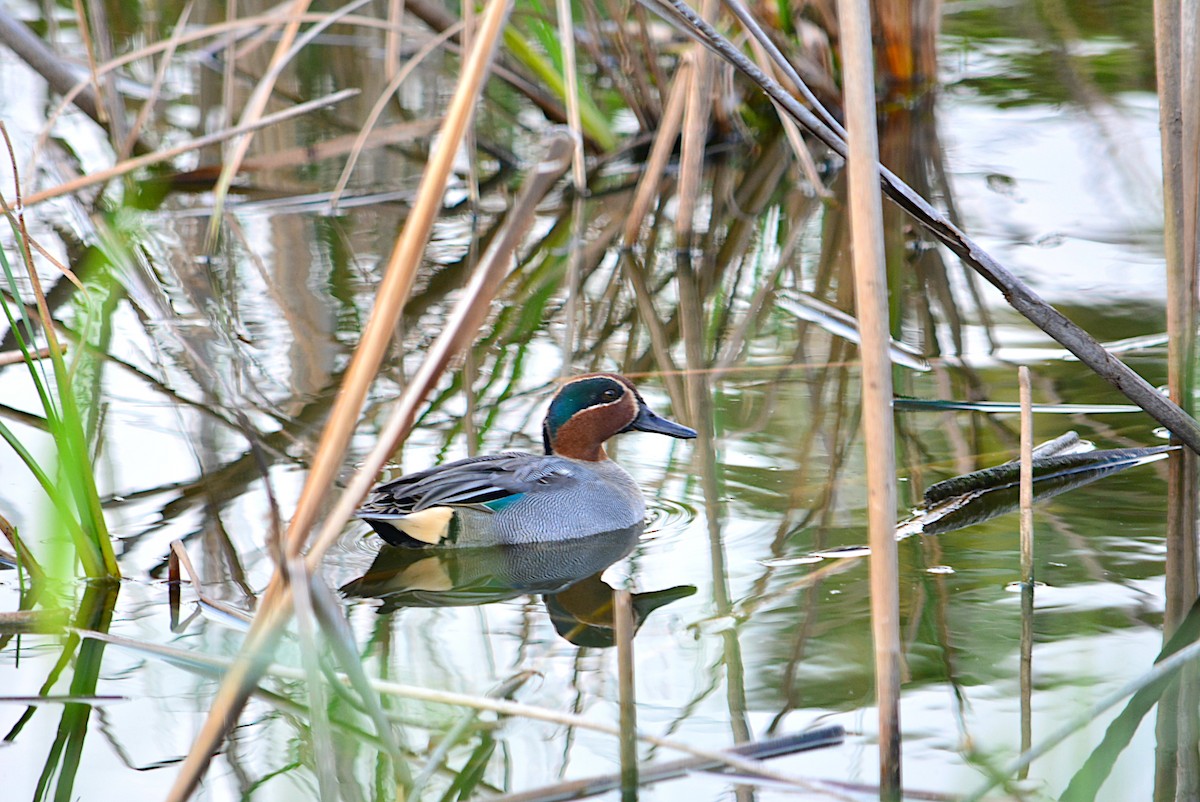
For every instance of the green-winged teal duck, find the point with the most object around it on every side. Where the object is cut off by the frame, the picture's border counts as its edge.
(573, 490)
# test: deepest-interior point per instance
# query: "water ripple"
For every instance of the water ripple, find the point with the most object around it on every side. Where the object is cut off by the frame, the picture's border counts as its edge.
(668, 518)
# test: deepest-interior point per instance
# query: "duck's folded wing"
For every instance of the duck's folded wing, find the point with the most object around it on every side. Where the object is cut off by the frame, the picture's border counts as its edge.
(477, 480)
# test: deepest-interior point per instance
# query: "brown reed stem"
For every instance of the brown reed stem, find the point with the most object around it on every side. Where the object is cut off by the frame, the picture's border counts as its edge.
(870, 293)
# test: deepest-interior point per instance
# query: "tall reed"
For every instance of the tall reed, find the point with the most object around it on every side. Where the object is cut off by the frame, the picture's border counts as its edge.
(870, 295)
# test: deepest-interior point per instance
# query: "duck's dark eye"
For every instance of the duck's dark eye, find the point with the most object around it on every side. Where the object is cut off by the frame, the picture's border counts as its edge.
(610, 394)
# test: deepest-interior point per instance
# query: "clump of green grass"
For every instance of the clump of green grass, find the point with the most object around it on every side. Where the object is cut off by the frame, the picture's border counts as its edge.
(70, 482)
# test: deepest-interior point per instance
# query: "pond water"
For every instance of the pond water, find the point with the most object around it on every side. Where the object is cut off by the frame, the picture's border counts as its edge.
(1043, 140)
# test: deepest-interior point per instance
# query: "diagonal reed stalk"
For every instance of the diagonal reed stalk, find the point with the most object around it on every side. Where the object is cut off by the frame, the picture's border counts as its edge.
(158, 156)
(1016, 292)
(393, 292)
(871, 302)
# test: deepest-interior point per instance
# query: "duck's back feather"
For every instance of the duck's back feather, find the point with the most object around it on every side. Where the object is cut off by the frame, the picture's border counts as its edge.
(472, 481)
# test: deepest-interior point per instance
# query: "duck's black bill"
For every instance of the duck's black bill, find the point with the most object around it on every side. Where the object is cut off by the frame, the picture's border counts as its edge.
(647, 421)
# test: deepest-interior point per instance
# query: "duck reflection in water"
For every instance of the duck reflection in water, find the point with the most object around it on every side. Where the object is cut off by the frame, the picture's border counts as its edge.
(565, 573)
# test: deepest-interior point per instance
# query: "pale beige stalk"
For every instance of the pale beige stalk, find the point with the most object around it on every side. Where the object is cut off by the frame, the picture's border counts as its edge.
(870, 293)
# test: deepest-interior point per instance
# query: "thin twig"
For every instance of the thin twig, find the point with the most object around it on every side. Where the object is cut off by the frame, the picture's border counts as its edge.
(129, 165)
(188, 659)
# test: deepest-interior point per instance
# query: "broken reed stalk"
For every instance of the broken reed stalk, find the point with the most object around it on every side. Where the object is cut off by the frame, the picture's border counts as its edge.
(393, 292)
(870, 296)
(1026, 494)
(1016, 292)
(1026, 503)
(623, 622)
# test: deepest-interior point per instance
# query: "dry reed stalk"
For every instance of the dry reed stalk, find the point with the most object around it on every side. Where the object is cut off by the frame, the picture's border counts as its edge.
(137, 162)
(397, 282)
(392, 39)
(566, 37)
(229, 71)
(16, 357)
(1177, 29)
(85, 33)
(870, 295)
(1178, 186)
(696, 121)
(792, 131)
(1179, 126)
(1189, 103)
